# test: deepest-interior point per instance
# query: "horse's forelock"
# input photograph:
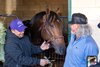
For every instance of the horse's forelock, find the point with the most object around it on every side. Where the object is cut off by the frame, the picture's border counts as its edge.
(53, 15)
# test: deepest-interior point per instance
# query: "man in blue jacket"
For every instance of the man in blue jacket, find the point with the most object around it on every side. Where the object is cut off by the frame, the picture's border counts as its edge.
(81, 44)
(18, 48)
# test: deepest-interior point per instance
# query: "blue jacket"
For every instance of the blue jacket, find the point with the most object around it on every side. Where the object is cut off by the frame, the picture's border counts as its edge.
(18, 51)
(78, 51)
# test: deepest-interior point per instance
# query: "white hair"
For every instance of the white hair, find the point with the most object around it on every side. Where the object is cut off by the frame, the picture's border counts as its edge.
(83, 30)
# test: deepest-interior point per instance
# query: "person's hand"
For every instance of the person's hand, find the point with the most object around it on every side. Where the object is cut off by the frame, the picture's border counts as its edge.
(43, 62)
(45, 46)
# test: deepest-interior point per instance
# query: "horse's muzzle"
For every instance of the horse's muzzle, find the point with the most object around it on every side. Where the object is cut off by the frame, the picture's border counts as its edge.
(60, 50)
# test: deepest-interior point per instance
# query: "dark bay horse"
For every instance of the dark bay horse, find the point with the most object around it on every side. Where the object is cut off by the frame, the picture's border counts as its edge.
(47, 26)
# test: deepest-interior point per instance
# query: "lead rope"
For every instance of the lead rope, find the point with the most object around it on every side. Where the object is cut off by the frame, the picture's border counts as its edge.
(50, 61)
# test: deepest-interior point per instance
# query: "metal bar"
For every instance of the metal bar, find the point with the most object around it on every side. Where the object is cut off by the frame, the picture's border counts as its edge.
(8, 15)
(63, 16)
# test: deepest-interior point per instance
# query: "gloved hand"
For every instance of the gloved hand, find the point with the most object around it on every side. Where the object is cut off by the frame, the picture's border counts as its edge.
(45, 46)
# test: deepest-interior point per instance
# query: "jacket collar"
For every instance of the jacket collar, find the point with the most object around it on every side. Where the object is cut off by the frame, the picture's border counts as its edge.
(10, 34)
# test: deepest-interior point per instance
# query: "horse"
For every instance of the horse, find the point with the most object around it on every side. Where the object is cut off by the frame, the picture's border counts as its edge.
(46, 26)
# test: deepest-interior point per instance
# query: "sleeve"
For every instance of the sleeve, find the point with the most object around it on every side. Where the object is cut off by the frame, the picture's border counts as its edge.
(17, 55)
(36, 49)
(91, 50)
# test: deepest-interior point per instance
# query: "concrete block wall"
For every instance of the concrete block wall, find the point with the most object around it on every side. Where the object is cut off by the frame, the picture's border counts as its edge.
(25, 9)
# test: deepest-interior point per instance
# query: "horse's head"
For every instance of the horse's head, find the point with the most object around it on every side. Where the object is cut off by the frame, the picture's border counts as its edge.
(50, 27)
(51, 30)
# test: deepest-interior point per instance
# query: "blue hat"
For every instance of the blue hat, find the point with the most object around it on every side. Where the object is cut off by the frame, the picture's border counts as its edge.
(78, 18)
(17, 25)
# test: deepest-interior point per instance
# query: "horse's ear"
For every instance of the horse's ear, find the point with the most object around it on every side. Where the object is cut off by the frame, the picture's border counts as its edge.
(58, 11)
(47, 10)
(47, 13)
(53, 19)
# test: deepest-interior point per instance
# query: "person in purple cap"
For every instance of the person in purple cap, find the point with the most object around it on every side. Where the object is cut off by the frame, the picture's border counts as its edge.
(18, 48)
(81, 44)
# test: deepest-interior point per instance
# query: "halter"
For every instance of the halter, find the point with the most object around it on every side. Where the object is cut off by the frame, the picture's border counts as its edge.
(44, 27)
(54, 38)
